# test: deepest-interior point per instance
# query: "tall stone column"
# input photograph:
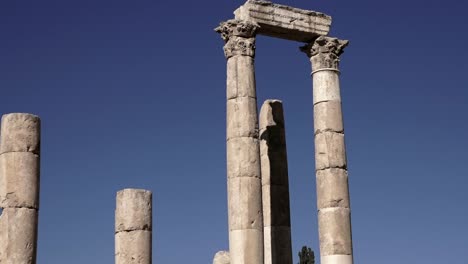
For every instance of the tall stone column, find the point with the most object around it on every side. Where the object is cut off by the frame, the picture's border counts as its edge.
(333, 203)
(133, 227)
(275, 184)
(19, 187)
(243, 153)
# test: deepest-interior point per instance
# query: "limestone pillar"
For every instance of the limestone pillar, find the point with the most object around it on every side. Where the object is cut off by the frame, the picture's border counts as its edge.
(243, 153)
(133, 227)
(334, 215)
(19, 187)
(275, 184)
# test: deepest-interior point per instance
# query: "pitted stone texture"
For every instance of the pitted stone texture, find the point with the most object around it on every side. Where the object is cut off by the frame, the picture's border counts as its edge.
(242, 117)
(332, 188)
(276, 205)
(245, 201)
(281, 251)
(20, 132)
(221, 257)
(284, 22)
(240, 77)
(133, 247)
(18, 236)
(248, 245)
(133, 210)
(326, 86)
(335, 231)
(330, 151)
(328, 117)
(243, 157)
(19, 180)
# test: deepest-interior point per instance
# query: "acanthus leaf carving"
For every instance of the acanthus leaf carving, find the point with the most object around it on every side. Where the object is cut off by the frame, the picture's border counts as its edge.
(325, 52)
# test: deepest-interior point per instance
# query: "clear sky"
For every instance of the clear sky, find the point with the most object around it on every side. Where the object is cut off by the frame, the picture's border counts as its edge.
(132, 94)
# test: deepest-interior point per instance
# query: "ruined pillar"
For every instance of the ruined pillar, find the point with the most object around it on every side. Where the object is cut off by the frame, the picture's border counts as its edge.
(133, 227)
(275, 184)
(334, 215)
(19, 187)
(243, 153)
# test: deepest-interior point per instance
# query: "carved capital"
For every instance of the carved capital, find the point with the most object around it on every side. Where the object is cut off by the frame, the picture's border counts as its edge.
(239, 37)
(325, 52)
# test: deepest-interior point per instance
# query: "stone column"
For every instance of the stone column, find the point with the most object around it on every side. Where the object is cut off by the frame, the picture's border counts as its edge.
(133, 227)
(333, 204)
(275, 184)
(19, 187)
(243, 153)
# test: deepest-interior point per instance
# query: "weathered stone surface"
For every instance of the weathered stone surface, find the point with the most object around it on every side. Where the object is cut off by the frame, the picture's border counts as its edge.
(240, 77)
(133, 210)
(242, 146)
(330, 154)
(325, 52)
(326, 86)
(248, 243)
(279, 251)
(335, 231)
(275, 186)
(273, 144)
(332, 188)
(245, 201)
(243, 158)
(276, 210)
(284, 22)
(329, 151)
(239, 37)
(221, 257)
(20, 132)
(18, 236)
(242, 118)
(133, 247)
(336, 259)
(19, 180)
(328, 117)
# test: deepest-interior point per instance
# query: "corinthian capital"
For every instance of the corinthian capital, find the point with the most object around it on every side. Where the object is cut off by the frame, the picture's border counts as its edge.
(325, 52)
(239, 37)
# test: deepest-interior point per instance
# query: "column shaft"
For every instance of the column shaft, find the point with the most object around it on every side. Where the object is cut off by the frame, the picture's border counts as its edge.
(243, 153)
(19, 187)
(275, 184)
(333, 204)
(133, 227)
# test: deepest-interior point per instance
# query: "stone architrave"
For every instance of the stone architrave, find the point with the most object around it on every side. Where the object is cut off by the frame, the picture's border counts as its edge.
(133, 227)
(284, 22)
(334, 214)
(19, 187)
(275, 184)
(243, 153)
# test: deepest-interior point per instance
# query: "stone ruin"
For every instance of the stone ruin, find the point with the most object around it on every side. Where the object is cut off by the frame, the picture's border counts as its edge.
(257, 171)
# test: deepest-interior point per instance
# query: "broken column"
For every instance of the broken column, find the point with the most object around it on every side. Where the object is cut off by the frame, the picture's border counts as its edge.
(275, 184)
(221, 257)
(334, 215)
(19, 187)
(133, 227)
(243, 153)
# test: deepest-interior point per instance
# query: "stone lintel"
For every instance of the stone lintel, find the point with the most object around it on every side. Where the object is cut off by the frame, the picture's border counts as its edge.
(284, 22)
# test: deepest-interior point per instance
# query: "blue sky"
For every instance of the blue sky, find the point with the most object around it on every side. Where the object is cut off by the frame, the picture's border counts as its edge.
(132, 94)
